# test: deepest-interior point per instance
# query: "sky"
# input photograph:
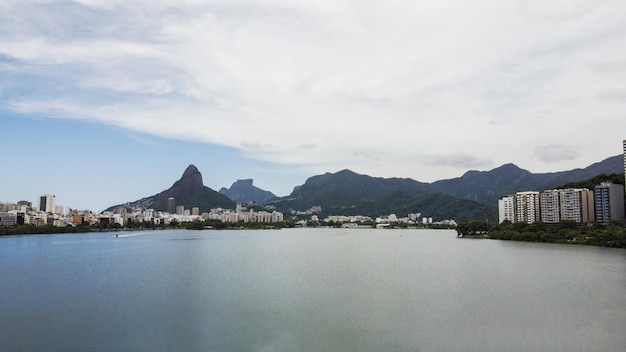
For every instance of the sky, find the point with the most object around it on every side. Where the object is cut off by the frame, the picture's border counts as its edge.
(103, 102)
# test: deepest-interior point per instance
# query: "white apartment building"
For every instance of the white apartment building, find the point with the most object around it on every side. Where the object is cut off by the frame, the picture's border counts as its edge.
(572, 204)
(550, 206)
(251, 216)
(527, 207)
(520, 207)
(506, 208)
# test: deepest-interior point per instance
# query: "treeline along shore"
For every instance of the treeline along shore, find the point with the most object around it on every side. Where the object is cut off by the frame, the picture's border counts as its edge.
(612, 234)
(29, 229)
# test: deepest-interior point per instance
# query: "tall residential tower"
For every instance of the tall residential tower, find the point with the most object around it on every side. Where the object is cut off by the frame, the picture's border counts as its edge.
(47, 203)
(527, 208)
(609, 199)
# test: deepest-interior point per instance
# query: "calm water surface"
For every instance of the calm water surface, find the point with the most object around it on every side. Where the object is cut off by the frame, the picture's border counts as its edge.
(307, 290)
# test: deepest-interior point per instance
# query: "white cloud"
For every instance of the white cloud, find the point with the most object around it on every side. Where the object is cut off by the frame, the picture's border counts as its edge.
(556, 152)
(459, 160)
(377, 86)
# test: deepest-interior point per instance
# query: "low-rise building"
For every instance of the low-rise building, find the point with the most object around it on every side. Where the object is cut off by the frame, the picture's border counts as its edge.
(8, 218)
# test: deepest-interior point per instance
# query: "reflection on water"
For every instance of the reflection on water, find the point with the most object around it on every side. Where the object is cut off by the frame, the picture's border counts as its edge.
(308, 290)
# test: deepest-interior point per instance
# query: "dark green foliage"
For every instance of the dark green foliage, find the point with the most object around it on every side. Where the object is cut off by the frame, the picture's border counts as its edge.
(195, 225)
(594, 181)
(568, 224)
(611, 235)
(29, 229)
(472, 228)
(537, 227)
(345, 188)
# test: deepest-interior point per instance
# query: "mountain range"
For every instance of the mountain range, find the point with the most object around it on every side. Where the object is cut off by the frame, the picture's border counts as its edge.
(245, 192)
(488, 186)
(349, 193)
(471, 196)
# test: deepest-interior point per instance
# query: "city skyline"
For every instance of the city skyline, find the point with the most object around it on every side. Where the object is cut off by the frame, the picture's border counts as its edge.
(102, 102)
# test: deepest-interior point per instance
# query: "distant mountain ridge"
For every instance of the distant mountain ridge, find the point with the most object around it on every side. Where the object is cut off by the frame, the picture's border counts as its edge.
(471, 196)
(244, 191)
(189, 191)
(488, 186)
(349, 193)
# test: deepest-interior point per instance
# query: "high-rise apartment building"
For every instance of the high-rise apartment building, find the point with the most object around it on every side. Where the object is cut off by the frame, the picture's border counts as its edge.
(576, 205)
(520, 207)
(550, 206)
(171, 205)
(527, 207)
(609, 202)
(506, 208)
(47, 203)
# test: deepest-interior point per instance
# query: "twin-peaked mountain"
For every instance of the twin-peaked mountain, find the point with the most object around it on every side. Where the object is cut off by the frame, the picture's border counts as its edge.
(189, 192)
(244, 191)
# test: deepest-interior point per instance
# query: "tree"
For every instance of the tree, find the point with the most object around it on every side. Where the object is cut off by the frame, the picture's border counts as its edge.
(537, 226)
(472, 227)
(568, 224)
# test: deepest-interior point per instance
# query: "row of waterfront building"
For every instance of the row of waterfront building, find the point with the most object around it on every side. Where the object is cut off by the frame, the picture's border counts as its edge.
(48, 213)
(602, 205)
(410, 219)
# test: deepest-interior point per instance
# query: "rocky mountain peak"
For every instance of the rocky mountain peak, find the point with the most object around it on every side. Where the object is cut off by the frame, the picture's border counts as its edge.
(190, 170)
(244, 191)
(191, 179)
(189, 191)
(247, 181)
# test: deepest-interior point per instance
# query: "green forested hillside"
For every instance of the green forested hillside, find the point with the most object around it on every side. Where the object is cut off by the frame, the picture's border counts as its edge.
(488, 186)
(594, 181)
(349, 193)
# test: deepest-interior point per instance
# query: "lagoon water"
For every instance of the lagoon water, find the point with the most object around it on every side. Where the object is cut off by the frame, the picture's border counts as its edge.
(307, 290)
